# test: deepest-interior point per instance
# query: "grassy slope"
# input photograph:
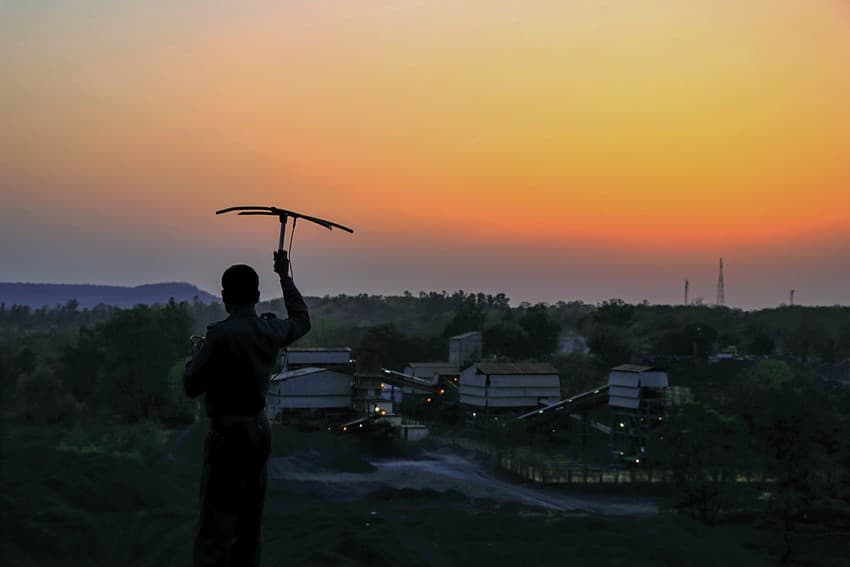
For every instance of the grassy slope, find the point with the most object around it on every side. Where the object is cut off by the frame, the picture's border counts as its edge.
(63, 507)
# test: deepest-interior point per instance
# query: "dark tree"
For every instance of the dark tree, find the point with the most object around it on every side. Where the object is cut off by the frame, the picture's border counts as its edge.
(611, 345)
(704, 451)
(541, 331)
(614, 312)
(469, 317)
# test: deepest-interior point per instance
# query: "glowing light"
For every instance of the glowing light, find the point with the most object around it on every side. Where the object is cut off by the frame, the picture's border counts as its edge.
(622, 424)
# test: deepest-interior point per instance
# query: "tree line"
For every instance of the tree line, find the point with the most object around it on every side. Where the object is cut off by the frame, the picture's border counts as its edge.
(128, 361)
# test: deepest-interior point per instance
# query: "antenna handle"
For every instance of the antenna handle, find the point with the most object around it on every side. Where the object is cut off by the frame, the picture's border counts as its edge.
(282, 240)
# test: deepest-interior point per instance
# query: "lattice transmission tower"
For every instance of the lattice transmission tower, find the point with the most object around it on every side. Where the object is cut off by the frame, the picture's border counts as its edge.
(721, 289)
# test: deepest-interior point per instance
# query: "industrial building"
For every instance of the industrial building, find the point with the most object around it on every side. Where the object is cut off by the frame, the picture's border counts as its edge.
(370, 391)
(312, 381)
(308, 389)
(465, 349)
(636, 396)
(441, 375)
(509, 385)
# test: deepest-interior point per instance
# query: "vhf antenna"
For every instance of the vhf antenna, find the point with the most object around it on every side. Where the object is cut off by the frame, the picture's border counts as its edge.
(283, 215)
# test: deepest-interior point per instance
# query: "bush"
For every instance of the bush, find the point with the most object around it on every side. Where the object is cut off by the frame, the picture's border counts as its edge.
(44, 399)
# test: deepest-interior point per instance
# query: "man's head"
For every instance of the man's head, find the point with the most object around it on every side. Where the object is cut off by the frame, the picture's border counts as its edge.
(240, 285)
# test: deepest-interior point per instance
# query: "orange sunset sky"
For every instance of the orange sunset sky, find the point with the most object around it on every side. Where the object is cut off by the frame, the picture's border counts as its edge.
(572, 149)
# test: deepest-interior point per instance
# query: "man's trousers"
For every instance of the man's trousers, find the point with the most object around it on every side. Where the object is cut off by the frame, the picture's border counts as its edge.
(233, 489)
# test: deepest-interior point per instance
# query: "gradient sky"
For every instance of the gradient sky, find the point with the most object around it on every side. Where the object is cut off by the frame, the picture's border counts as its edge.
(550, 150)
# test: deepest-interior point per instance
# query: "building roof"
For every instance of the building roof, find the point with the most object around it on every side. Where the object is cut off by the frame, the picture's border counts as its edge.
(441, 368)
(297, 373)
(638, 379)
(401, 379)
(318, 349)
(634, 368)
(516, 368)
(466, 335)
(439, 364)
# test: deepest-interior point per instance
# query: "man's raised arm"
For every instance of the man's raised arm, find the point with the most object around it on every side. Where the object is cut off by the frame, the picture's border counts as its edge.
(298, 323)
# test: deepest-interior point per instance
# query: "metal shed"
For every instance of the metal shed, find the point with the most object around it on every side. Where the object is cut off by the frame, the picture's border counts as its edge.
(312, 388)
(509, 385)
(630, 382)
(464, 348)
(636, 395)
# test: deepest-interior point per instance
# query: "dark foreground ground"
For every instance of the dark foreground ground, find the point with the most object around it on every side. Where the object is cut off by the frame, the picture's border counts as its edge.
(129, 496)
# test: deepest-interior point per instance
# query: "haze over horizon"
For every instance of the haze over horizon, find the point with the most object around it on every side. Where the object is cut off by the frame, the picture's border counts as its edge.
(548, 150)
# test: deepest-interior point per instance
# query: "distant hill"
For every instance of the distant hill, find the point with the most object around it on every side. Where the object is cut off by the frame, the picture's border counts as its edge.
(40, 294)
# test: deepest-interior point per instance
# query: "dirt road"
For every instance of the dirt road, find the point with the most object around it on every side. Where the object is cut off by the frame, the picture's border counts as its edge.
(446, 470)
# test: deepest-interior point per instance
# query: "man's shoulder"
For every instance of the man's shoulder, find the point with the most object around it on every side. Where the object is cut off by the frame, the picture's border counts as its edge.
(218, 327)
(267, 322)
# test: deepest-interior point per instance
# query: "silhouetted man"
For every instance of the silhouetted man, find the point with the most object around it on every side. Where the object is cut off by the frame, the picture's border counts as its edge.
(232, 368)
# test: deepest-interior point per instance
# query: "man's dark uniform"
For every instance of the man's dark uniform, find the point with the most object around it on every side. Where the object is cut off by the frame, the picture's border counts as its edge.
(232, 367)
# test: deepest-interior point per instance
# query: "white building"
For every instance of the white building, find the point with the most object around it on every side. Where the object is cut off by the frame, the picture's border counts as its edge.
(308, 388)
(636, 396)
(509, 385)
(633, 386)
(464, 349)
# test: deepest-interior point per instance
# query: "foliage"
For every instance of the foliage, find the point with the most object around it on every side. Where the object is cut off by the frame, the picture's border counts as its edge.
(140, 346)
(693, 340)
(44, 399)
(612, 345)
(531, 335)
(579, 373)
(120, 366)
(469, 317)
(541, 330)
(63, 506)
(384, 346)
(614, 312)
(704, 451)
(800, 435)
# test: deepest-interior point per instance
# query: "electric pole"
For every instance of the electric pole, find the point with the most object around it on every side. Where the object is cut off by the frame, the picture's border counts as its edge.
(721, 291)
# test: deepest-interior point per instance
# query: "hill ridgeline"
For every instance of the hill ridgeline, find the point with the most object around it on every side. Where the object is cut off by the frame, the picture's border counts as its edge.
(88, 295)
